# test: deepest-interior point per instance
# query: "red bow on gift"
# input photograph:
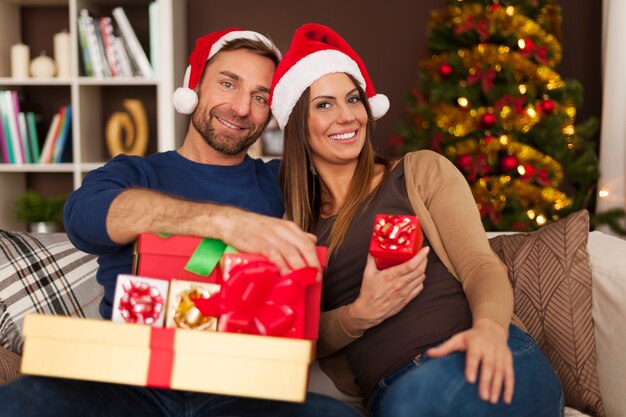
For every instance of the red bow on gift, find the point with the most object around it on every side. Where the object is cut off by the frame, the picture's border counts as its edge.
(540, 53)
(541, 175)
(255, 299)
(485, 77)
(481, 26)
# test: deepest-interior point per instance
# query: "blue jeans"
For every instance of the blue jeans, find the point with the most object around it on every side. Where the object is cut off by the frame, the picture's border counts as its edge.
(40, 397)
(429, 387)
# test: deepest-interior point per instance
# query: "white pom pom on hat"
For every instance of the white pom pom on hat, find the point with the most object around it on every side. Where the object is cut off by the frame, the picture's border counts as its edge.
(185, 98)
(316, 51)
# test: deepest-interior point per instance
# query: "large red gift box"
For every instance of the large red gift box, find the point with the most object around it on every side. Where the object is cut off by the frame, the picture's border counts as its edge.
(395, 239)
(188, 258)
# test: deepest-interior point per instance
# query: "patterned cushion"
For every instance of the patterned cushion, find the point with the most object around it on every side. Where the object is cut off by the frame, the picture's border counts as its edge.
(43, 273)
(551, 277)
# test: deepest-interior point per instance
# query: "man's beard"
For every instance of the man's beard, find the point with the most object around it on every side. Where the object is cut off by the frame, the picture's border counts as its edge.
(224, 143)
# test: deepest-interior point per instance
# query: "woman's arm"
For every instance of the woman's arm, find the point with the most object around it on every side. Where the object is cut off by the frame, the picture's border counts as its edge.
(451, 205)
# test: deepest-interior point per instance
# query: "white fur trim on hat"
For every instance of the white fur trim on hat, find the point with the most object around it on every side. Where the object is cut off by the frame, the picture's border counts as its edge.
(185, 99)
(242, 34)
(379, 105)
(305, 72)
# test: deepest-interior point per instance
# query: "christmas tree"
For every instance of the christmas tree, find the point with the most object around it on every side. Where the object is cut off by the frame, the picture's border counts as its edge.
(489, 99)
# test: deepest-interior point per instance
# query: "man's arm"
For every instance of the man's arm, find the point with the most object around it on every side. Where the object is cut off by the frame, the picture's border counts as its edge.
(137, 210)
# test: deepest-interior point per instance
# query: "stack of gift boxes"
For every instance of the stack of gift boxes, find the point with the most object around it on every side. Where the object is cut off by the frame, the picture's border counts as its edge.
(202, 284)
(196, 315)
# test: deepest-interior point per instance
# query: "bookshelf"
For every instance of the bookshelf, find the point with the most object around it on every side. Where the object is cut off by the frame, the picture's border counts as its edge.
(93, 100)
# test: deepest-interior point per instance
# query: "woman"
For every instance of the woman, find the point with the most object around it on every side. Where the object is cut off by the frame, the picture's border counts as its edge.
(428, 337)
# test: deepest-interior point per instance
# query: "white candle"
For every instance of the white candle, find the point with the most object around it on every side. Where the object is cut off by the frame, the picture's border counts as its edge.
(62, 54)
(20, 60)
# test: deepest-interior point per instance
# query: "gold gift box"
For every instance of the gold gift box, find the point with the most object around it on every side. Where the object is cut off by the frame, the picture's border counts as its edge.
(219, 363)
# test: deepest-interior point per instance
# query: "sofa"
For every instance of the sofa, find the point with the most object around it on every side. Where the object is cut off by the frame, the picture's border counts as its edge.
(44, 273)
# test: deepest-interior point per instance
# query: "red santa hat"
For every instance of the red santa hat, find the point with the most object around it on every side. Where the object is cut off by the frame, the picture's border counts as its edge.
(185, 98)
(316, 51)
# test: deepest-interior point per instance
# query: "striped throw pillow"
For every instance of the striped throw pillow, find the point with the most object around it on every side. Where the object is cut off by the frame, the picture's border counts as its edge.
(43, 273)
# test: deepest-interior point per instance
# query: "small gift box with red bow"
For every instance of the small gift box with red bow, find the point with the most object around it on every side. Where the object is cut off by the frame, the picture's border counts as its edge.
(140, 300)
(182, 312)
(395, 239)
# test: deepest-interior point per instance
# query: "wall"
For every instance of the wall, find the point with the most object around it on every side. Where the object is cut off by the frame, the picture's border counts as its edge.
(390, 37)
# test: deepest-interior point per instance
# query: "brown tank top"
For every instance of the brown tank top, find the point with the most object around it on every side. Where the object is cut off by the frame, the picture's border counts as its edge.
(438, 312)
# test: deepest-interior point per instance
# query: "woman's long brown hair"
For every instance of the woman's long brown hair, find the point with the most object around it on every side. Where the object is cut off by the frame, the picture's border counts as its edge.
(305, 192)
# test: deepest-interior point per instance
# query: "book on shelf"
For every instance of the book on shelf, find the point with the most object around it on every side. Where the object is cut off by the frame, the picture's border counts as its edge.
(51, 137)
(94, 45)
(106, 27)
(4, 145)
(25, 140)
(84, 47)
(33, 135)
(10, 119)
(136, 52)
(64, 134)
(124, 60)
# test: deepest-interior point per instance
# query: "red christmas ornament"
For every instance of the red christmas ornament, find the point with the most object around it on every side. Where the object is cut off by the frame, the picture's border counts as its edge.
(495, 7)
(445, 70)
(464, 161)
(473, 165)
(487, 120)
(488, 138)
(508, 163)
(546, 106)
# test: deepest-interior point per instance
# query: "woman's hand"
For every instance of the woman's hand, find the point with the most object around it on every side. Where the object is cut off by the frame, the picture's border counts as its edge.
(486, 346)
(384, 293)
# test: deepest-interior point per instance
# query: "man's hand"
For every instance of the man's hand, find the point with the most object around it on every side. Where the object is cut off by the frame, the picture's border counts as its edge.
(280, 241)
(384, 293)
(486, 346)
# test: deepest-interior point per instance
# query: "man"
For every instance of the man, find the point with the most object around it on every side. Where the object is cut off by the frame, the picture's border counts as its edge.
(208, 187)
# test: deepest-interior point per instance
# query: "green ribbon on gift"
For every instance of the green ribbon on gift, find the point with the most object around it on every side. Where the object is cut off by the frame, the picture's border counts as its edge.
(206, 256)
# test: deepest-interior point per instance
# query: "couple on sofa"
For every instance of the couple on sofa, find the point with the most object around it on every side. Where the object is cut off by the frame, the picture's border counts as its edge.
(431, 336)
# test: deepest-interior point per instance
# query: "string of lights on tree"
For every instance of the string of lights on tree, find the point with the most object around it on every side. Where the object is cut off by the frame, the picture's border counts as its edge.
(489, 99)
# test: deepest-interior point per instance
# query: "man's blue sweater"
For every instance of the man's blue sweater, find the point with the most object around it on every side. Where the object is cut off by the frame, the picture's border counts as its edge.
(252, 185)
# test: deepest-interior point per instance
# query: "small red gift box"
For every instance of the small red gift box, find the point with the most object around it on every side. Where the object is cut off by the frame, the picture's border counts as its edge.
(187, 258)
(395, 239)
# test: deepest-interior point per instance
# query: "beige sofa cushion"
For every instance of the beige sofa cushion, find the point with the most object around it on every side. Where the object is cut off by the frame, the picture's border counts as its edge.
(551, 276)
(608, 257)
